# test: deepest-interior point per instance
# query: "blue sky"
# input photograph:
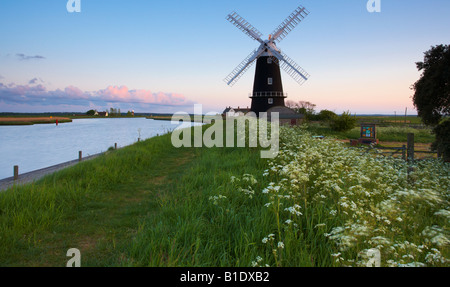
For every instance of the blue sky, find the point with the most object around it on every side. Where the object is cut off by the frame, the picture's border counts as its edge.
(165, 56)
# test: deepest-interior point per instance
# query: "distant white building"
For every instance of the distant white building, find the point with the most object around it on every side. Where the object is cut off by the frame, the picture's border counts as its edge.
(235, 112)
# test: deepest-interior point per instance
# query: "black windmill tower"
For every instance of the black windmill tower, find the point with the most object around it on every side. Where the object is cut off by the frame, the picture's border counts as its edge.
(268, 87)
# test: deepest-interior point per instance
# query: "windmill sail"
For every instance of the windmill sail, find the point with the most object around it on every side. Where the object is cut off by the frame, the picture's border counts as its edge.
(289, 66)
(289, 24)
(293, 69)
(244, 26)
(240, 70)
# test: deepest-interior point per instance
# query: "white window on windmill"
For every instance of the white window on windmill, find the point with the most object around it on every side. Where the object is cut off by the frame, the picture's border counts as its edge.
(269, 81)
(270, 101)
(269, 60)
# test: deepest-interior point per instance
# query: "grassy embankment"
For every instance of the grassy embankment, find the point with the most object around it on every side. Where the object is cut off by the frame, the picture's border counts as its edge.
(144, 205)
(193, 118)
(151, 204)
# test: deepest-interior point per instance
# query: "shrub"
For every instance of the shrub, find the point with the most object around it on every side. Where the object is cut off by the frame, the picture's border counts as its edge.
(343, 123)
(326, 115)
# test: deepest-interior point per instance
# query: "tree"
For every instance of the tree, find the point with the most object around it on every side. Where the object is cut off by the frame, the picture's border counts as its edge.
(432, 95)
(432, 90)
(114, 112)
(302, 107)
(90, 112)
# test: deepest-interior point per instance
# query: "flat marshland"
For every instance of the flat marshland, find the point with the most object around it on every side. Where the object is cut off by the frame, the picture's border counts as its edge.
(319, 203)
(10, 121)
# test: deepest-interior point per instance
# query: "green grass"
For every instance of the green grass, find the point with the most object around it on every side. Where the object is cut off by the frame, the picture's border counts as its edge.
(16, 123)
(388, 134)
(192, 230)
(391, 120)
(89, 206)
(389, 128)
(193, 118)
(151, 204)
(144, 205)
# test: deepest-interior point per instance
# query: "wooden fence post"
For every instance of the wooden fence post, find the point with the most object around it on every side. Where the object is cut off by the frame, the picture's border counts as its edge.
(16, 172)
(115, 146)
(410, 147)
(80, 155)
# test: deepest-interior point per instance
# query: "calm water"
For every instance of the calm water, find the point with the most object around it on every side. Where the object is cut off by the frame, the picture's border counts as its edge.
(39, 146)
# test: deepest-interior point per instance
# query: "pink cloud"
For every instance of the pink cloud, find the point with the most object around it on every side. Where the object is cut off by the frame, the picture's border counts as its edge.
(38, 95)
(74, 92)
(113, 93)
(123, 94)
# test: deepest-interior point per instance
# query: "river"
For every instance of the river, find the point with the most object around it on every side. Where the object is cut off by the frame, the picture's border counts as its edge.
(39, 146)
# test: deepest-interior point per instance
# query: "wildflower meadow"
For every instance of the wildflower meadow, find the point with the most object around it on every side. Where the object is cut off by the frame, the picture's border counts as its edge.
(345, 205)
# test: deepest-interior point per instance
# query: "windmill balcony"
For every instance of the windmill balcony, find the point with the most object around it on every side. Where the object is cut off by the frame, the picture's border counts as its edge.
(268, 95)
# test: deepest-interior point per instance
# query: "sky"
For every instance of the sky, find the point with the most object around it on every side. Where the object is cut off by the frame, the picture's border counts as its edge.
(166, 56)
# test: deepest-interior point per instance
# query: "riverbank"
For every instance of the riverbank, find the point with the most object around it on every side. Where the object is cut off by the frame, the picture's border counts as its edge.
(18, 121)
(106, 207)
(36, 175)
(193, 119)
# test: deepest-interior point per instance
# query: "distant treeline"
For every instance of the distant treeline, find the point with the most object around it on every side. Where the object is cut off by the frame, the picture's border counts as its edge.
(63, 114)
